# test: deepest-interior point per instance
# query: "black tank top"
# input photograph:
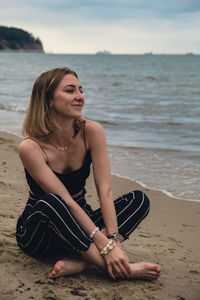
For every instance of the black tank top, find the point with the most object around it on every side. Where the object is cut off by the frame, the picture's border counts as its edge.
(74, 181)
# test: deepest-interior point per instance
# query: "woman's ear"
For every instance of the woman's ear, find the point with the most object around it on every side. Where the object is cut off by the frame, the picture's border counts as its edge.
(51, 104)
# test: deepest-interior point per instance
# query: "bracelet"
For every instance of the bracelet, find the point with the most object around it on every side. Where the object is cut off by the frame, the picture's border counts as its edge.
(108, 247)
(93, 232)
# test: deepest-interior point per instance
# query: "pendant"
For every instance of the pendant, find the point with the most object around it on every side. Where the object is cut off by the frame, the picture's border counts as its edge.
(61, 148)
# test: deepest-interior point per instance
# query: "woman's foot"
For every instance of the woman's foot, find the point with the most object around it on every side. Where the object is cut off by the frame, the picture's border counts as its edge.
(68, 267)
(141, 270)
(145, 270)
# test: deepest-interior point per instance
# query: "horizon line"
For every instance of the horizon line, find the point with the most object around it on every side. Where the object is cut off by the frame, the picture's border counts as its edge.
(96, 53)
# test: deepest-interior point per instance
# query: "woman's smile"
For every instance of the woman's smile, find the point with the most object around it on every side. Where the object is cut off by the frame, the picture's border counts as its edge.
(78, 106)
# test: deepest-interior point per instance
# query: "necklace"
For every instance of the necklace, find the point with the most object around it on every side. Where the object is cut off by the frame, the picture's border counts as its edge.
(65, 147)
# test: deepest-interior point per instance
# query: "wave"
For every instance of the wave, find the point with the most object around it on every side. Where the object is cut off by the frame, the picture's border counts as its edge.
(15, 108)
(107, 122)
(116, 83)
(157, 79)
(143, 185)
(146, 148)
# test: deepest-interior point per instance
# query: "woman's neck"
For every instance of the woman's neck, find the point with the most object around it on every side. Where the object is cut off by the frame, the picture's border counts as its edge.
(63, 136)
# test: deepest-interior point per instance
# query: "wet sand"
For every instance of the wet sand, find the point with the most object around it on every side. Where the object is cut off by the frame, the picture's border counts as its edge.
(169, 236)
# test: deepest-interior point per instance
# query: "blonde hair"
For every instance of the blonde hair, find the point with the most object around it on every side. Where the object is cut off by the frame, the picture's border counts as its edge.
(38, 120)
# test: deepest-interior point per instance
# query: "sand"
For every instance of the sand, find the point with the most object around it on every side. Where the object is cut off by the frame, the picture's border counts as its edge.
(169, 236)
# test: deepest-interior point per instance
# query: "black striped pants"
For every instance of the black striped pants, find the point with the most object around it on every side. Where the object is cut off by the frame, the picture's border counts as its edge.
(47, 226)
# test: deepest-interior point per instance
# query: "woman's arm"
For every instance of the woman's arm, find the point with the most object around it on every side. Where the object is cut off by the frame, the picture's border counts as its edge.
(115, 259)
(102, 174)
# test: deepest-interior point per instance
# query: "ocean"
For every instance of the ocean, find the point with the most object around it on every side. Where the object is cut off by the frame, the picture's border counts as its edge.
(149, 106)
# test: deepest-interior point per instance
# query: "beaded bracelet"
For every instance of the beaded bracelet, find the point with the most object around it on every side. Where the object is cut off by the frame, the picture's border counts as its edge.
(93, 232)
(110, 245)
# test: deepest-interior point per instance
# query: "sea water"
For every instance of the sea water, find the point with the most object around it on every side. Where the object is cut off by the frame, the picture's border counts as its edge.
(149, 106)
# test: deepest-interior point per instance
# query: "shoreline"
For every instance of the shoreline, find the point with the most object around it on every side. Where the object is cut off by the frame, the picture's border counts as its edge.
(143, 185)
(168, 236)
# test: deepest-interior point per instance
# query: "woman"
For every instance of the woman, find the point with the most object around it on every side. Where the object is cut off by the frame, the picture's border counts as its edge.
(56, 155)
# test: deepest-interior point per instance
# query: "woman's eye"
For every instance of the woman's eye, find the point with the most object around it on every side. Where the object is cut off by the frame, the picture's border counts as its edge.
(69, 91)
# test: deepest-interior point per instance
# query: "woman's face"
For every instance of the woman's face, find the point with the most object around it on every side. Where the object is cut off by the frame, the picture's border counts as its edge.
(68, 99)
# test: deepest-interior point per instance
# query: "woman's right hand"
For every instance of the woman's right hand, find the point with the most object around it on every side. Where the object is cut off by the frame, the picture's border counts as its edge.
(117, 262)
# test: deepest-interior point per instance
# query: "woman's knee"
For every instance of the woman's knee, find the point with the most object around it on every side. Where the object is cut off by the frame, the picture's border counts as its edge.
(146, 200)
(143, 200)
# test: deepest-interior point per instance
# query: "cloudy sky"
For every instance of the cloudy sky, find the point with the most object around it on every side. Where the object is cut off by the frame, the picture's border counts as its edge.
(120, 26)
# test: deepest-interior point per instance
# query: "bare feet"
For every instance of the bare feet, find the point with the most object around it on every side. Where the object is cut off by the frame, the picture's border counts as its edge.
(68, 267)
(141, 270)
(145, 270)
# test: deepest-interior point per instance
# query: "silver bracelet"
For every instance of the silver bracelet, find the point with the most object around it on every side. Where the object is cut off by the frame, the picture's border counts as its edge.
(93, 232)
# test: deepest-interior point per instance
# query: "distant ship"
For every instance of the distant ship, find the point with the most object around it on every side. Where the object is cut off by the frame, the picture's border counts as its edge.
(189, 53)
(105, 52)
(148, 53)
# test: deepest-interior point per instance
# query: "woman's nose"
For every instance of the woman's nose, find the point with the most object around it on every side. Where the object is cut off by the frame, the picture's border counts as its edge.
(79, 95)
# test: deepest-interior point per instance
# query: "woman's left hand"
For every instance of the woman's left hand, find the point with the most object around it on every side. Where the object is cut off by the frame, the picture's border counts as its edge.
(117, 262)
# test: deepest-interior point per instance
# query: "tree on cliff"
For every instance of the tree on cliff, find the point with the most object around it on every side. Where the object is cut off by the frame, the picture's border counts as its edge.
(14, 38)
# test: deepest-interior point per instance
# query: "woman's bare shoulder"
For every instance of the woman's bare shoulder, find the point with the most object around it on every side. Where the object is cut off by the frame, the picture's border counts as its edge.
(92, 126)
(29, 145)
(95, 135)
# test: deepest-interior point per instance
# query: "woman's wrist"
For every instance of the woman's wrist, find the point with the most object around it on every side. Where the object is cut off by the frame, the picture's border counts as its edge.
(94, 232)
(100, 239)
(116, 236)
(108, 247)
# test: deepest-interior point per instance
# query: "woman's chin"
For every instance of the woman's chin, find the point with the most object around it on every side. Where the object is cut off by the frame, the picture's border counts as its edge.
(78, 114)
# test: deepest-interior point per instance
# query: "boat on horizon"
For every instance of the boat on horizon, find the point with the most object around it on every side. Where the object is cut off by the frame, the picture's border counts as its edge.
(148, 53)
(104, 52)
(189, 54)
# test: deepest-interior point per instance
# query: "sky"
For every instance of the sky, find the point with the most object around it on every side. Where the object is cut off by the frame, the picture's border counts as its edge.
(119, 26)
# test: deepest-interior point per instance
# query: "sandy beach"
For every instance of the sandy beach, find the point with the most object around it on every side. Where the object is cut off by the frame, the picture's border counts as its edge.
(169, 236)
